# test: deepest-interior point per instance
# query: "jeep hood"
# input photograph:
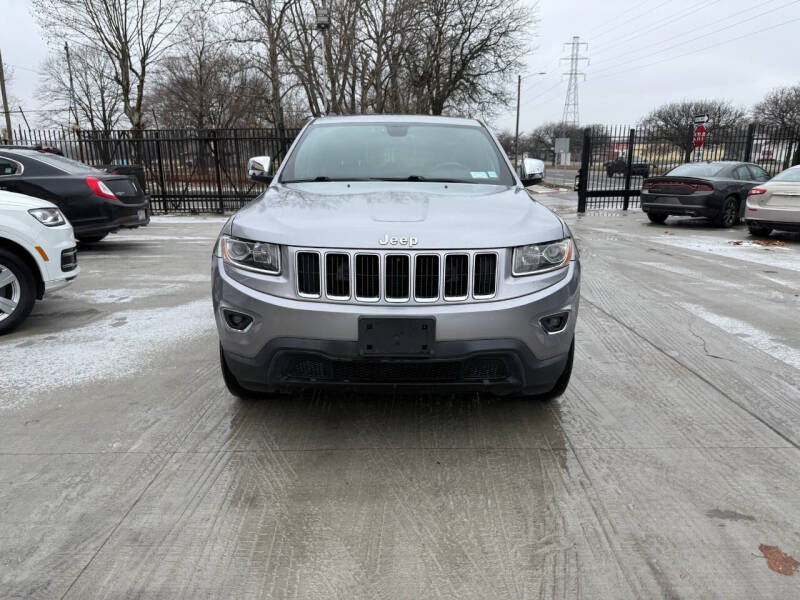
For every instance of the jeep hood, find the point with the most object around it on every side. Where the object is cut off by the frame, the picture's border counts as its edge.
(359, 214)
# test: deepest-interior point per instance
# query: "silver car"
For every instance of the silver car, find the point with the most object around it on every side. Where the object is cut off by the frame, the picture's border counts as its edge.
(775, 204)
(398, 251)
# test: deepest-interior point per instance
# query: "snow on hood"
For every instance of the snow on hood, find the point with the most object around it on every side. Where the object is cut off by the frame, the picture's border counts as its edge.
(359, 214)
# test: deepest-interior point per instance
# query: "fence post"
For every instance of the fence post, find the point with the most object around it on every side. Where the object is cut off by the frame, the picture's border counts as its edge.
(748, 146)
(215, 148)
(161, 171)
(627, 193)
(690, 145)
(583, 173)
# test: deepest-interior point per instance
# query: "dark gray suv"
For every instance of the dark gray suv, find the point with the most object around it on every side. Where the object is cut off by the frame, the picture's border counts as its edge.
(395, 251)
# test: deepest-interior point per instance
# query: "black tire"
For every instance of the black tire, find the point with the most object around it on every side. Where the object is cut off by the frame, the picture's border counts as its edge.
(561, 383)
(23, 288)
(728, 215)
(657, 218)
(609, 172)
(759, 230)
(90, 239)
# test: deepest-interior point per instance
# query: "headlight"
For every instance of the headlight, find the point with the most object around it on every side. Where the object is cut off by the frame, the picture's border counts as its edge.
(50, 217)
(253, 256)
(540, 258)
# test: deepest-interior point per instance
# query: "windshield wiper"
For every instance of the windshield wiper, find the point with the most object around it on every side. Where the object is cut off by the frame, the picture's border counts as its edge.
(421, 178)
(325, 178)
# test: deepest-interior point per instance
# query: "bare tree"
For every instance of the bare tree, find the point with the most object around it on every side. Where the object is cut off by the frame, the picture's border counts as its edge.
(98, 98)
(781, 108)
(674, 121)
(203, 84)
(133, 34)
(261, 30)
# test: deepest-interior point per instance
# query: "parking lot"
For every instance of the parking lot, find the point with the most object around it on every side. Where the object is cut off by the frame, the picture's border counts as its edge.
(669, 468)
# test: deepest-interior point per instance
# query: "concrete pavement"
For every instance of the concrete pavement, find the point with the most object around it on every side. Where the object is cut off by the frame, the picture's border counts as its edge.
(668, 469)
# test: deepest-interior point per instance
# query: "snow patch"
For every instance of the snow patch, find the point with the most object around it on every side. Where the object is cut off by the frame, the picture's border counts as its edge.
(197, 220)
(114, 347)
(752, 335)
(776, 256)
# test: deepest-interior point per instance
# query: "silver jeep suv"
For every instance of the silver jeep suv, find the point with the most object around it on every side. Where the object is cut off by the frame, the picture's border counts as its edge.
(395, 251)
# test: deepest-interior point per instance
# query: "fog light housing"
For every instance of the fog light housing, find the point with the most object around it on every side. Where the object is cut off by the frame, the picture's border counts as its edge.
(554, 323)
(236, 320)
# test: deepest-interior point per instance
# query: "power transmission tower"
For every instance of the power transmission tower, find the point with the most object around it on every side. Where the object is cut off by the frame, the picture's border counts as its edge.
(571, 113)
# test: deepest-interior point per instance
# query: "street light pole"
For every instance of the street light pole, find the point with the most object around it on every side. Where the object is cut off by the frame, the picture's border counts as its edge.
(5, 102)
(516, 134)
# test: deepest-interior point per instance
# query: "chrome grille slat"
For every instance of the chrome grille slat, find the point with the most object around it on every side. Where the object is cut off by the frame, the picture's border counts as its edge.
(393, 276)
(397, 271)
(368, 280)
(426, 277)
(456, 277)
(485, 275)
(337, 275)
(308, 275)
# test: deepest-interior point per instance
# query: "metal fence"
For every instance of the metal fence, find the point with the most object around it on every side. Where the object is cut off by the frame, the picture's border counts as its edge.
(615, 160)
(185, 171)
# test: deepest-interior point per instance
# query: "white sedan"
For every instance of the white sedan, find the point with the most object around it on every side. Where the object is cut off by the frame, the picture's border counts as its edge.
(37, 255)
(775, 204)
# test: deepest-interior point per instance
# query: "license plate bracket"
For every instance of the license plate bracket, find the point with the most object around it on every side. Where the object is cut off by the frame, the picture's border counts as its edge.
(395, 336)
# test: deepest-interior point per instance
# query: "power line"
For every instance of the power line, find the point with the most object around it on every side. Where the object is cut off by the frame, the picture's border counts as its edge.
(619, 24)
(695, 51)
(699, 28)
(645, 31)
(571, 113)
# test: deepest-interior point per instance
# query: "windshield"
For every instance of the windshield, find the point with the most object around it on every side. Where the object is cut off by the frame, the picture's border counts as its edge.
(697, 170)
(792, 175)
(397, 152)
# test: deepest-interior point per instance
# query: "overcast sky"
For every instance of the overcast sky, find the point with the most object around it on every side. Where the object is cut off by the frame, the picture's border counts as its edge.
(642, 53)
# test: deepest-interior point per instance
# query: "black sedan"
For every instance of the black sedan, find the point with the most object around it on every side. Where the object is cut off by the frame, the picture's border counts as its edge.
(95, 202)
(639, 166)
(716, 190)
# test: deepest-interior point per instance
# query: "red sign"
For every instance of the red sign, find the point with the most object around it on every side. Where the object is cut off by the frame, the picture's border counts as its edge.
(700, 136)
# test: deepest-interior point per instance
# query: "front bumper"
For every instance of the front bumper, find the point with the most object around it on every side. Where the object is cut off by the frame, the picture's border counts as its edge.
(509, 331)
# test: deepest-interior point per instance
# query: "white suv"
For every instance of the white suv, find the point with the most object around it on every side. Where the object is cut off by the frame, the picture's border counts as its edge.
(37, 255)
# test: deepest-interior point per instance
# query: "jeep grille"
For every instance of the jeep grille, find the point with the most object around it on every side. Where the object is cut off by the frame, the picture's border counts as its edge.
(396, 276)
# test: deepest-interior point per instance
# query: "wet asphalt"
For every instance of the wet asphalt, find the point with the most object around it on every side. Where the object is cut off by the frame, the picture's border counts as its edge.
(670, 467)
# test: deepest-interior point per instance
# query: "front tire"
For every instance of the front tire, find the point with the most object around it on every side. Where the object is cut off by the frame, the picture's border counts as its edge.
(729, 213)
(17, 291)
(657, 218)
(759, 230)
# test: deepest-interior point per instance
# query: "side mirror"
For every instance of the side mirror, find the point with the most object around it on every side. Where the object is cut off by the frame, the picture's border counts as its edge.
(259, 169)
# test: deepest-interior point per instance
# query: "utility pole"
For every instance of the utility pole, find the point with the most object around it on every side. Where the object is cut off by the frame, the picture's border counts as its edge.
(71, 88)
(516, 134)
(571, 113)
(5, 100)
(323, 24)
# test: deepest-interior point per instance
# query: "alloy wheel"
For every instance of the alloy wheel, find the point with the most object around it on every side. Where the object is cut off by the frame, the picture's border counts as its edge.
(10, 292)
